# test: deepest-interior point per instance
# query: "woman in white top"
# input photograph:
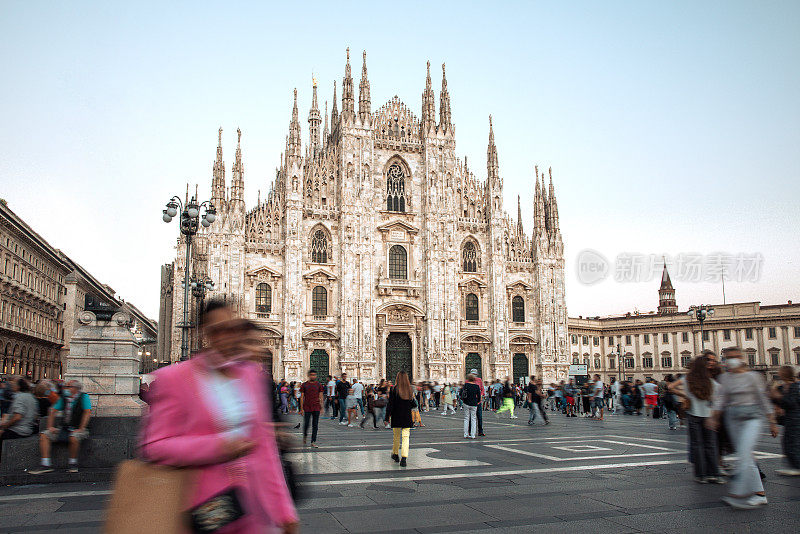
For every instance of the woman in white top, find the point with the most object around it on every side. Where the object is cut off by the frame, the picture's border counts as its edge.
(742, 397)
(699, 388)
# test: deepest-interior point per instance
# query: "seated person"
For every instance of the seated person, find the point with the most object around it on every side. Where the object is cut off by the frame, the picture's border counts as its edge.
(77, 410)
(22, 415)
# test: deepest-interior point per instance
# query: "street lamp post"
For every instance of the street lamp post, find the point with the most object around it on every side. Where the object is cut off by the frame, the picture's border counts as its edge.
(701, 312)
(189, 225)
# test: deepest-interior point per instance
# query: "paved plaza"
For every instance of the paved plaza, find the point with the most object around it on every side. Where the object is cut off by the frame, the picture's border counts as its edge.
(624, 474)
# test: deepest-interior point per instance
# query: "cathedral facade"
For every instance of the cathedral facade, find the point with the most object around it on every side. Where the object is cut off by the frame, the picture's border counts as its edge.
(377, 250)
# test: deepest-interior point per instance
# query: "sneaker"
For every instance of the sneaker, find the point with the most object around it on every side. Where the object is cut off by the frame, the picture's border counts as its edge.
(716, 480)
(530, 423)
(482, 434)
(701, 480)
(314, 445)
(342, 422)
(547, 421)
(403, 462)
(72, 469)
(396, 458)
(513, 417)
(739, 504)
(41, 470)
(351, 425)
(788, 472)
(758, 500)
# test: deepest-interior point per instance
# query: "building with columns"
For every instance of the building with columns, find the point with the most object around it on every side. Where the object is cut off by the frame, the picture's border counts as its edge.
(42, 293)
(378, 249)
(639, 345)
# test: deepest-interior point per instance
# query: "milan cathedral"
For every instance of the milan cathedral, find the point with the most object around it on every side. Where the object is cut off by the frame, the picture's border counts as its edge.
(378, 250)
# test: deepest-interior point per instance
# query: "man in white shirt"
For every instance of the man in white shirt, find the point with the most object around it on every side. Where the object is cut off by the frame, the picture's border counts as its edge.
(330, 397)
(598, 392)
(615, 389)
(358, 392)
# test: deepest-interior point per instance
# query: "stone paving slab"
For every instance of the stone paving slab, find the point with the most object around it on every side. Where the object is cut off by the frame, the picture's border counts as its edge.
(600, 495)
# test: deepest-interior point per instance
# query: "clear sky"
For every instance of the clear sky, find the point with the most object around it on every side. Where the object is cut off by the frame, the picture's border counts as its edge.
(671, 127)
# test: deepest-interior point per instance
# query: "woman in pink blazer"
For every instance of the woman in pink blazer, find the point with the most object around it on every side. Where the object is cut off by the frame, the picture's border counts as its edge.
(212, 414)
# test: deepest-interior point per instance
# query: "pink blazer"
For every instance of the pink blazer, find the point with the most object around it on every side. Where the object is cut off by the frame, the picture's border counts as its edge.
(180, 431)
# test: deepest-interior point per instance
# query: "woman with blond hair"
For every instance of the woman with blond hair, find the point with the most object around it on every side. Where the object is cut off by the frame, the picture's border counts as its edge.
(398, 413)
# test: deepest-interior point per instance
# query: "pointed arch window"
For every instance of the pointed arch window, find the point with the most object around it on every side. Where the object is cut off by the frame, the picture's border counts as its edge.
(319, 247)
(398, 263)
(470, 256)
(263, 298)
(472, 307)
(319, 302)
(395, 188)
(518, 309)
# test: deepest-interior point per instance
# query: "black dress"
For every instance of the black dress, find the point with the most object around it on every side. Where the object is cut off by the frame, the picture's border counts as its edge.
(398, 411)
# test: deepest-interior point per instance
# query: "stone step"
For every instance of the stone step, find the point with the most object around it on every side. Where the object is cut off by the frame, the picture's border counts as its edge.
(58, 476)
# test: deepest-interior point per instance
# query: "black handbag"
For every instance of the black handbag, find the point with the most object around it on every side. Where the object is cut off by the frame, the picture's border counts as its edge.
(217, 512)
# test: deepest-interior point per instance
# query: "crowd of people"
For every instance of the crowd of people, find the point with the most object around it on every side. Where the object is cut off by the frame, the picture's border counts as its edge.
(723, 406)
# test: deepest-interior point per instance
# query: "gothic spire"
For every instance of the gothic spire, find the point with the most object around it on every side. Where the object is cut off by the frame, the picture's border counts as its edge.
(334, 109)
(218, 176)
(325, 129)
(553, 204)
(363, 93)
(444, 105)
(492, 167)
(539, 226)
(520, 230)
(313, 122)
(293, 149)
(428, 104)
(348, 101)
(237, 180)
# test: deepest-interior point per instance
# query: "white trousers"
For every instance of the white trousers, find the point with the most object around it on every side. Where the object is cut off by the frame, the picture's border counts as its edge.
(470, 421)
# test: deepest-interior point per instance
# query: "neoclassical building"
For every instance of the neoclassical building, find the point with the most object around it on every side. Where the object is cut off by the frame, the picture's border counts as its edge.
(377, 249)
(42, 293)
(640, 345)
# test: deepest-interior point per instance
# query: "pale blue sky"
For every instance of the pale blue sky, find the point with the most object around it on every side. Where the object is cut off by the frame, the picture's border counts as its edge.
(671, 126)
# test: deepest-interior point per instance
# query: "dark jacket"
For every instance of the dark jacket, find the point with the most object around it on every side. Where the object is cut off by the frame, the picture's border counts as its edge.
(471, 394)
(398, 411)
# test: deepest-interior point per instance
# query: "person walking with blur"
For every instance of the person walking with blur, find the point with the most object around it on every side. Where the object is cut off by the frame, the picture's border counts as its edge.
(447, 400)
(787, 397)
(597, 396)
(398, 414)
(342, 390)
(742, 398)
(699, 388)
(213, 414)
(311, 395)
(507, 392)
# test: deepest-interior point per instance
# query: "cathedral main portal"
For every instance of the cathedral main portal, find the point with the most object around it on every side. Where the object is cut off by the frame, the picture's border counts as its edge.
(398, 355)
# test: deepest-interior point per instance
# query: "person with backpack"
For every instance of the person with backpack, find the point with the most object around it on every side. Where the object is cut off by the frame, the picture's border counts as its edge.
(470, 396)
(507, 393)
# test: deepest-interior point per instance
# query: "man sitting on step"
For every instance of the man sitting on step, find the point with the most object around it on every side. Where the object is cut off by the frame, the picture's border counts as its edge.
(77, 410)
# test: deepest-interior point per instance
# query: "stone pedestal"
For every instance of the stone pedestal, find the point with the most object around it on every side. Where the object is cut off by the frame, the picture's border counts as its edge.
(104, 356)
